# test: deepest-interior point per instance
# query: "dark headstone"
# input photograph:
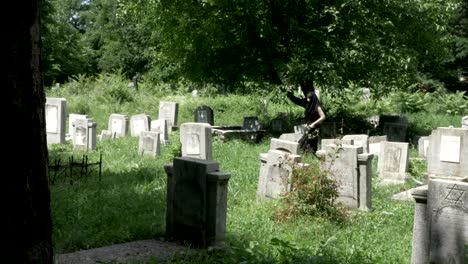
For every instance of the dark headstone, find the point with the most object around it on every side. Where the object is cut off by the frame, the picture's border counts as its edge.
(204, 114)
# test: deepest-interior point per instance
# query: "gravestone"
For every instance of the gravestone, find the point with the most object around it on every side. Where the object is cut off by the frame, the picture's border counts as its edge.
(149, 144)
(139, 123)
(196, 140)
(440, 230)
(160, 126)
(374, 144)
(359, 140)
(294, 137)
(252, 123)
(396, 132)
(352, 170)
(55, 113)
(334, 141)
(423, 145)
(447, 155)
(464, 122)
(285, 145)
(196, 202)
(393, 162)
(280, 123)
(71, 120)
(84, 134)
(118, 125)
(169, 111)
(204, 114)
(106, 134)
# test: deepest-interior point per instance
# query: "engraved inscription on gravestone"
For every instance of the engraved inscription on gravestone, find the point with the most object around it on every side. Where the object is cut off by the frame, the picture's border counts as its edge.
(392, 159)
(193, 144)
(450, 149)
(52, 118)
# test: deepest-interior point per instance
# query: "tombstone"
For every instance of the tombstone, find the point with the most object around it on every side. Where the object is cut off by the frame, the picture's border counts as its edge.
(160, 126)
(352, 170)
(374, 144)
(285, 145)
(149, 144)
(204, 114)
(169, 111)
(118, 125)
(440, 230)
(276, 168)
(196, 140)
(327, 130)
(396, 132)
(464, 122)
(71, 120)
(55, 113)
(447, 154)
(334, 141)
(294, 137)
(280, 123)
(196, 202)
(106, 134)
(359, 140)
(84, 134)
(423, 145)
(139, 123)
(393, 162)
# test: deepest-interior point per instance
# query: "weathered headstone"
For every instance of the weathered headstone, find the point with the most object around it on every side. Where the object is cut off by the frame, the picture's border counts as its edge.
(279, 124)
(334, 141)
(204, 114)
(169, 111)
(149, 144)
(196, 140)
(160, 126)
(106, 134)
(55, 113)
(393, 162)
(374, 144)
(423, 145)
(84, 134)
(285, 145)
(252, 123)
(118, 125)
(139, 123)
(196, 202)
(440, 231)
(396, 132)
(359, 140)
(294, 137)
(447, 155)
(71, 120)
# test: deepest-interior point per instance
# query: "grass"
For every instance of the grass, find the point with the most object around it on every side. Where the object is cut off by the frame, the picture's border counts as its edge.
(127, 202)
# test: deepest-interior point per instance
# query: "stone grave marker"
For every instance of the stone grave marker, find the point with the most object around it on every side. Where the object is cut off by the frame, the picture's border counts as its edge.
(334, 141)
(160, 126)
(118, 125)
(393, 162)
(169, 111)
(359, 140)
(396, 132)
(84, 134)
(447, 155)
(106, 134)
(139, 123)
(374, 144)
(196, 140)
(252, 123)
(423, 145)
(294, 137)
(55, 113)
(196, 202)
(204, 114)
(71, 120)
(149, 144)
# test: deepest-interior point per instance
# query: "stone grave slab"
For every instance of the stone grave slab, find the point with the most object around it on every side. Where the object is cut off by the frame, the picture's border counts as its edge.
(169, 111)
(393, 162)
(84, 134)
(118, 125)
(359, 140)
(204, 114)
(374, 144)
(55, 114)
(139, 123)
(196, 140)
(160, 126)
(149, 144)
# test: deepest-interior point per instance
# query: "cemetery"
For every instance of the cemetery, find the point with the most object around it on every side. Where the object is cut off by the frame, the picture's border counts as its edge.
(184, 181)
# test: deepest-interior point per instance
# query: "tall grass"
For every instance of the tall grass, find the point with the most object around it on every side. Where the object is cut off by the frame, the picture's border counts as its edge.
(127, 202)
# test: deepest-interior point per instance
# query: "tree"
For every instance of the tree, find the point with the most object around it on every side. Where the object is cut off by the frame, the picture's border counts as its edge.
(27, 197)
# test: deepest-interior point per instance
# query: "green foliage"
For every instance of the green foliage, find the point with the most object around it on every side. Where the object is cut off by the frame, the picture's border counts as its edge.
(313, 193)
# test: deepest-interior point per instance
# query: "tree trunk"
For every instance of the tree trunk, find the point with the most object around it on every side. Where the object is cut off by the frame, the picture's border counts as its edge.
(28, 226)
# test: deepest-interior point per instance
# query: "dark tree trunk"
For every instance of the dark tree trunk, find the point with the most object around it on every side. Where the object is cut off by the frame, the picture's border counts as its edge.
(26, 204)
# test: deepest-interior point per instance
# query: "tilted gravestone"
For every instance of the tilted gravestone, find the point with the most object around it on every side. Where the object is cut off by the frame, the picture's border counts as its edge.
(118, 125)
(440, 229)
(139, 123)
(204, 114)
(196, 202)
(55, 114)
(196, 140)
(160, 126)
(84, 134)
(149, 144)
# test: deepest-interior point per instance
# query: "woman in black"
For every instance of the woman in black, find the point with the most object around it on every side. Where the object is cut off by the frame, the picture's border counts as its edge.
(313, 117)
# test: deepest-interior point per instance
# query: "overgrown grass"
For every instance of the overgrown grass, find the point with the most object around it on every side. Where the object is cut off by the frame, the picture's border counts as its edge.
(128, 202)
